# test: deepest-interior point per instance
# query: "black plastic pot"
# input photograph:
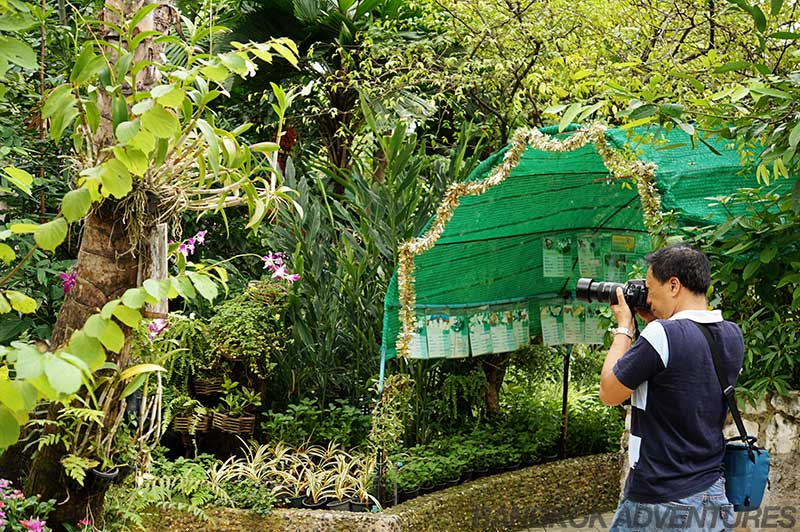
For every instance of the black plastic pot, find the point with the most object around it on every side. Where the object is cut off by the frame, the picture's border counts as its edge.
(452, 482)
(408, 495)
(309, 504)
(481, 472)
(296, 502)
(427, 488)
(339, 506)
(99, 480)
(124, 472)
(358, 506)
(466, 476)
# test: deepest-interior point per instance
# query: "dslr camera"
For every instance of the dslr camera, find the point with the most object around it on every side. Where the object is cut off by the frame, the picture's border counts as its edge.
(635, 292)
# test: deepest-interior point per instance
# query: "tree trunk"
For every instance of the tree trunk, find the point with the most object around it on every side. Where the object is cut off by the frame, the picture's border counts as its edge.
(106, 267)
(494, 366)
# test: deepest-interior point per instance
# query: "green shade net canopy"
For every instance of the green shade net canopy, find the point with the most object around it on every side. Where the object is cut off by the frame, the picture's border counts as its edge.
(557, 216)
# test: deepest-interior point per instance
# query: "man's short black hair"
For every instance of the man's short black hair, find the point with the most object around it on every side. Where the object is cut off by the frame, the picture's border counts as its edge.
(689, 265)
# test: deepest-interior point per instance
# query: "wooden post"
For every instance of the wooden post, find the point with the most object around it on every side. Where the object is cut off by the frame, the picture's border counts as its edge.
(156, 268)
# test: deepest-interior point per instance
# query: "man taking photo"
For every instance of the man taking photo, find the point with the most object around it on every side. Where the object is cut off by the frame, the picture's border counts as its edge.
(678, 410)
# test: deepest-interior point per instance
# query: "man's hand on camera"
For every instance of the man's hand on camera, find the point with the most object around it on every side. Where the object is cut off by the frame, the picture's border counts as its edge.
(622, 312)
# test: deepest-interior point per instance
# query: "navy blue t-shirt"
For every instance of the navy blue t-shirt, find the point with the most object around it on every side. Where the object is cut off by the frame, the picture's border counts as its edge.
(678, 410)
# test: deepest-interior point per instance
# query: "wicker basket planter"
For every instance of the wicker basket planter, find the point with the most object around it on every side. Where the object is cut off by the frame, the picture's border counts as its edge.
(209, 386)
(234, 425)
(184, 423)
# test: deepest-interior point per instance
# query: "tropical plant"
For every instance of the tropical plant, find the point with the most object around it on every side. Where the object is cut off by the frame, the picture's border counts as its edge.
(133, 137)
(250, 329)
(238, 400)
(754, 257)
(90, 429)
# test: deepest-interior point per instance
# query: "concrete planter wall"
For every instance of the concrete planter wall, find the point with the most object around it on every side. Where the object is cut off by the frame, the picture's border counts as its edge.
(557, 491)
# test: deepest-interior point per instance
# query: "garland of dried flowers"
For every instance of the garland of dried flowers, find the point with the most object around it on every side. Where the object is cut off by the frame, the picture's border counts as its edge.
(619, 167)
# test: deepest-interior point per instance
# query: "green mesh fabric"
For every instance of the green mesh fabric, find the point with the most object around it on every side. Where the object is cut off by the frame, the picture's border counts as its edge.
(491, 250)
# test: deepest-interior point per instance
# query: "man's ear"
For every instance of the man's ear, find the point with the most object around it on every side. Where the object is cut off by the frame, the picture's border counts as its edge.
(674, 285)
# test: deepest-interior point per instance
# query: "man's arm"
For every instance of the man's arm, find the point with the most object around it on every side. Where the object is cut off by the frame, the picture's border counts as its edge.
(613, 392)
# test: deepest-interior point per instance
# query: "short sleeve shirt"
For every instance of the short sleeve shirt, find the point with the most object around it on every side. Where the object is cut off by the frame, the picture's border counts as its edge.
(676, 445)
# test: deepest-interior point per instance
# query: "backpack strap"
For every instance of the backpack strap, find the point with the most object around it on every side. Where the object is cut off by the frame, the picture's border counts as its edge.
(727, 391)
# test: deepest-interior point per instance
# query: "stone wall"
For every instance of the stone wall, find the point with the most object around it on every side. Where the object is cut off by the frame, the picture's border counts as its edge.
(552, 492)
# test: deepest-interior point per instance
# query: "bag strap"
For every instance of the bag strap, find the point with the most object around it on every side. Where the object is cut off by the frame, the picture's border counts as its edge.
(727, 390)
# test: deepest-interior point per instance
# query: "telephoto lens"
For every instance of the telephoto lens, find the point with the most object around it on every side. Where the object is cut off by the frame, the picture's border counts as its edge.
(634, 291)
(590, 291)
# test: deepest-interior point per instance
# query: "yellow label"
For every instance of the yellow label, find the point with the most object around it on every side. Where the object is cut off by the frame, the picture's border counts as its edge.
(624, 243)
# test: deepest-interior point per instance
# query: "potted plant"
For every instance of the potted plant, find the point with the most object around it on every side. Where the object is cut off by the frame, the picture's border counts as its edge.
(342, 486)
(186, 414)
(249, 329)
(364, 474)
(318, 481)
(235, 414)
(293, 481)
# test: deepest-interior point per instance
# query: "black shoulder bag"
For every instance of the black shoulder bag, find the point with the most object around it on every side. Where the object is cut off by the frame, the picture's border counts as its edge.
(746, 465)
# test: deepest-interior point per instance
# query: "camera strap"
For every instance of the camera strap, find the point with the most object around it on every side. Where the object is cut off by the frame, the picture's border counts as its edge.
(727, 389)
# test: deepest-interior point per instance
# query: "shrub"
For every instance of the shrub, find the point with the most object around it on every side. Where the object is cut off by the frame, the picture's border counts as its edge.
(305, 422)
(250, 328)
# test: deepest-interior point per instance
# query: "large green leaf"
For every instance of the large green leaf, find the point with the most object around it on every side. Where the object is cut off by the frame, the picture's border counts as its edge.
(63, 376)
(57, 100)
(129, 316)
(17, 395)
(134, 160)
(88, 349)
(116, 179)
(159, 289)
(184, 287)
(9, 428)
(204, 285)
(51, 234)
(169, 95)
(94, 326)
(7, 253)
(29, 363)
(20, 302)
(108, 309)
(19, 178)
(160, 122)
(17, 52)
(76, 204)
(112, 337)
(127, 130)
(16, 21)
(134, 297)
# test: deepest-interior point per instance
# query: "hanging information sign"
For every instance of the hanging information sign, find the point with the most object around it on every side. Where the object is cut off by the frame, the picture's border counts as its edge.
(418, 347)
(459, 337)
(593, 330)
(550, 314)
(480, 334)
(573, 315)
(437, 326)
(556, 256)
(522, 327)
(502, 331)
